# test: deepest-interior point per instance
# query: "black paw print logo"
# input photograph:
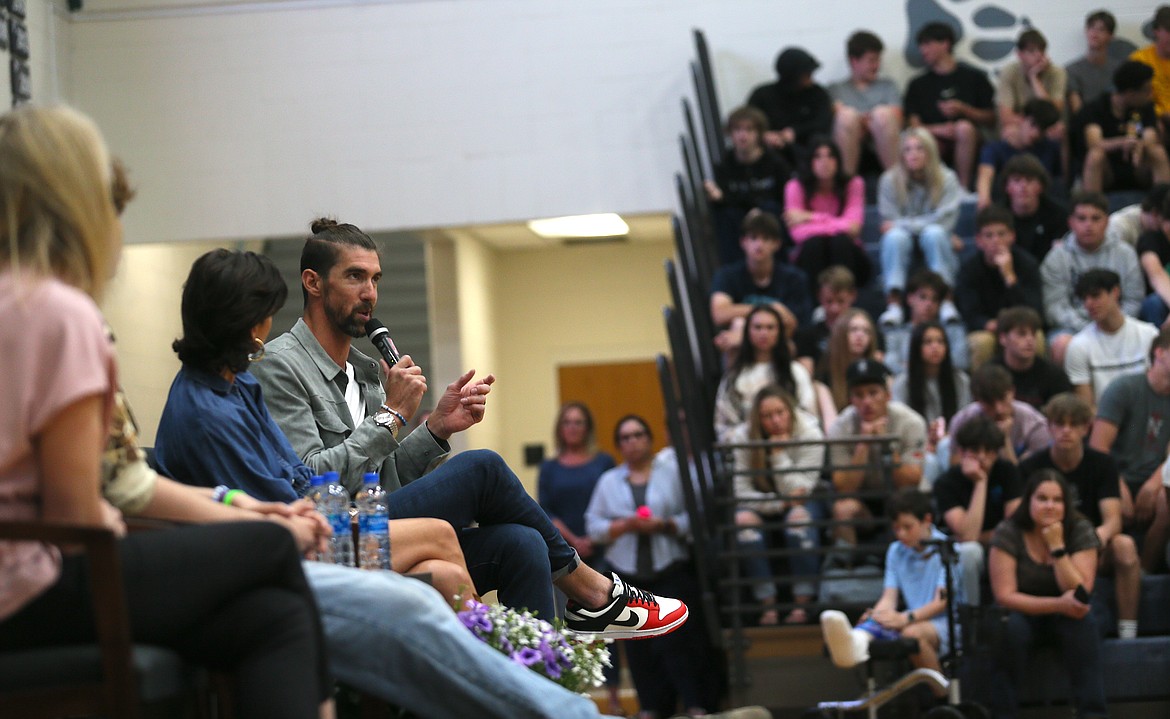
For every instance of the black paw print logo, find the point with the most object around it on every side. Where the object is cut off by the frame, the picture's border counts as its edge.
(992, 30)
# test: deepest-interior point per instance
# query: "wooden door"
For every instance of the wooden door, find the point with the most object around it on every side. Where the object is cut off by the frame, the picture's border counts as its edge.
(612, 391)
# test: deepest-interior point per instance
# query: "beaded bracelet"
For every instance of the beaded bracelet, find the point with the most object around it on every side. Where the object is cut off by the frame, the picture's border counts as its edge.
(218, 493)
(397, 415)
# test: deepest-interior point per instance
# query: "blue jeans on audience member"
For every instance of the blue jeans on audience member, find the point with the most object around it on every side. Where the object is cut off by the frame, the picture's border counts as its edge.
(515, 549)
(897, 246)
(1154, 310)
(1079, 645)
(797, 536)
(395, 638)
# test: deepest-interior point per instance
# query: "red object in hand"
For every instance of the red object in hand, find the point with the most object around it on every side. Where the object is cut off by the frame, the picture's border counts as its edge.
(644, 512)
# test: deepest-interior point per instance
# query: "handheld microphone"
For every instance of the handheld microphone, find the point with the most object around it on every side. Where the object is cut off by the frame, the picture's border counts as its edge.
(380, 338)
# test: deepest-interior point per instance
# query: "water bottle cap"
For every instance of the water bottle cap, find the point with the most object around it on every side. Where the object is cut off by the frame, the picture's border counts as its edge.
(370, 478)
(332, 477)
(316, 480)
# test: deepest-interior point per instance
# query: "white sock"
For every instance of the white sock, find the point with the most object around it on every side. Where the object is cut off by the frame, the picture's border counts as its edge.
(1127, 629)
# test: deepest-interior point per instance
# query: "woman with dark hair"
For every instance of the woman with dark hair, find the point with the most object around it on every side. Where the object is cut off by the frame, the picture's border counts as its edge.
(215, 427)
(1043, 563)
(231, 597)
(638, 512)
(762, 473)
(824, 211)
(931, 385)
(764, 358)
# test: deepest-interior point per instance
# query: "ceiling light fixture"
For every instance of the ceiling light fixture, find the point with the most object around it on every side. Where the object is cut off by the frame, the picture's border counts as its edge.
(602, 225)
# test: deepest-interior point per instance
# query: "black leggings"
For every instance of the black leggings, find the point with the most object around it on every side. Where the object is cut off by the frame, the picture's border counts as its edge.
(231, 597)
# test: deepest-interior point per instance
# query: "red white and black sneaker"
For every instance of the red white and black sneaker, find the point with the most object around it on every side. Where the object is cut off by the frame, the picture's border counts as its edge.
(633, 614)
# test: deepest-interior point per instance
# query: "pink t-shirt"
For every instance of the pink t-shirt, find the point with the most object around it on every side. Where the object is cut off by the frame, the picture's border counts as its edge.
(53, 352)
(828, 218)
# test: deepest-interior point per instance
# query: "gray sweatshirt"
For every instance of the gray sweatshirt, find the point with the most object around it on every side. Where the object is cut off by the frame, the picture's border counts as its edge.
(918, 212)
(1065, 263)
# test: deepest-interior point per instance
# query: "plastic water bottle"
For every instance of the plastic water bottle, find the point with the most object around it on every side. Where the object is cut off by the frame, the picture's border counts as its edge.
(374, 524)
(316, 493)
(334, 505)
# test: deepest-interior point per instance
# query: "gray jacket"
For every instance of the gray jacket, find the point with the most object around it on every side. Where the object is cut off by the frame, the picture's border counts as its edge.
(1066, 262)
(302, 394)
(918, 212)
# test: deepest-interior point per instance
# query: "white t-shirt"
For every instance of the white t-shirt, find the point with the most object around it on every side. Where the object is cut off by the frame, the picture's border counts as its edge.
(353, 396)
(1096, 358)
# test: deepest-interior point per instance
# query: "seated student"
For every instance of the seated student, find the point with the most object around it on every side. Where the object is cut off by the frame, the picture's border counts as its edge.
(872, 413)
(252, 617)
(751, 175)
(216, 428)
(975, 494)
(1115, 138)
(1031, 77)
(867, 107)
(951, 100)
(1036, 380)
(1131, 427)
(763, 359)
(932, 387)
(1024, 429)
(796, 107)
(836, 292)
(1001, 275)
(1113, 344)
(790, 472)
(926, 296)
(1040, 555)
(1153, 251)
(1039, 220)
(915, 578)
(919, 203)
(1085, 248)
(1097, 483)
(853, 338)
(1027, 134)
(824, 210)
(758, 279)
(1157, 56)
(1092, 75)
(1130, 222)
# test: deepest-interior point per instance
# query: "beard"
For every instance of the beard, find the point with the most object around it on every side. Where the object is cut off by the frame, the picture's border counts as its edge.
(348, 322)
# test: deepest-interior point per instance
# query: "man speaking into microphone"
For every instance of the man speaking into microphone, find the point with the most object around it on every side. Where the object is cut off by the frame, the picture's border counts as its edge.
(343, 411)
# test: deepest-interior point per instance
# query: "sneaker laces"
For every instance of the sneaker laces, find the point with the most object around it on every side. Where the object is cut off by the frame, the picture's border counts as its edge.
(641, 596)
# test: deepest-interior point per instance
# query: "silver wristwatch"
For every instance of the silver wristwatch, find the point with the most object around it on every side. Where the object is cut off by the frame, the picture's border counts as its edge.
(387, 420)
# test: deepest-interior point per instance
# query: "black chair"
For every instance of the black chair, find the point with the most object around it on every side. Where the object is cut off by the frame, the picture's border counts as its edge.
(112, 677)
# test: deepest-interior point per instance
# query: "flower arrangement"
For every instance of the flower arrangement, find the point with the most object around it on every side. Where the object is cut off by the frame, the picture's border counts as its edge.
(574, 662)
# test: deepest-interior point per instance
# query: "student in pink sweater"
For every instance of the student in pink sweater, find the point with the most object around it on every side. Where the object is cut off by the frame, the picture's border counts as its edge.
(825, 209)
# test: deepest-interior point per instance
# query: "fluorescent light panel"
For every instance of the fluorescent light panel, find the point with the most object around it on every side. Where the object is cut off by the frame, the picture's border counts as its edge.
(606, 224)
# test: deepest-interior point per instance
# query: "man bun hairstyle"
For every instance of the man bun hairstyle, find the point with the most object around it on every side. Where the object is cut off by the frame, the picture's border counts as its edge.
(323, 246)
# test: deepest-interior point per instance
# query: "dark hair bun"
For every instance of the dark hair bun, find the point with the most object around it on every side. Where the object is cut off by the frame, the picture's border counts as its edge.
(322, 224)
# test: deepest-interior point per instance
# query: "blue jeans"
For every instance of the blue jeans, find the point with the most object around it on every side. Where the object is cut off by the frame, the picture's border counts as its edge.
(515, 550)
(898, 244)
(797, 536)
(1079, 644)
(396, 639)
(1154, 310)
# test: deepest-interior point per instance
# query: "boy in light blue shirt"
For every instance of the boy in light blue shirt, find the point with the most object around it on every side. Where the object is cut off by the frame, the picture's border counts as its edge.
(915, 573)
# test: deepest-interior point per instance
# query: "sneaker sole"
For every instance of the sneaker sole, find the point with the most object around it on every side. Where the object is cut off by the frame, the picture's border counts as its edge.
(637, 633)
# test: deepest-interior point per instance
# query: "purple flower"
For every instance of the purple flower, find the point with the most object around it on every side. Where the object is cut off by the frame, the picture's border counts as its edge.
(526, 656)
(475, 618)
